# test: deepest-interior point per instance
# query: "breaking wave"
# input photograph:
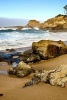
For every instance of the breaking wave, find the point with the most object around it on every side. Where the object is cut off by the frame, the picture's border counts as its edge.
(24, 38)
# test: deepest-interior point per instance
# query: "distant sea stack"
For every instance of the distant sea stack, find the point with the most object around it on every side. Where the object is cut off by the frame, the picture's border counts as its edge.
(33, 24)
(58, 23)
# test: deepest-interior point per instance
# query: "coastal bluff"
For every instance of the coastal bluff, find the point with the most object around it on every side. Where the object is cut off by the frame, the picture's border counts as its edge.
(59, 23)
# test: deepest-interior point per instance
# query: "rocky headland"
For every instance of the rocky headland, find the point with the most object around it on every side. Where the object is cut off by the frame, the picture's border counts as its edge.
(58, 23)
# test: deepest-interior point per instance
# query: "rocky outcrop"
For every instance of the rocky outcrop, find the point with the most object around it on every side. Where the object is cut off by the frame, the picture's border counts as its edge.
(43, 50)
(59, 20)
(21, 70)
(33, 24)
(58, 23)
(55, 77)
(48, 49)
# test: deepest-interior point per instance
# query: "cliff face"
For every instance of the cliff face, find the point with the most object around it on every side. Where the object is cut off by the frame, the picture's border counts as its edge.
(57, 23)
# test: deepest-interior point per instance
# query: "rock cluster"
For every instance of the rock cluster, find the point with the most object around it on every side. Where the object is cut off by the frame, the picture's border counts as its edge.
(42, 50)
(55, 77)
(21, 70)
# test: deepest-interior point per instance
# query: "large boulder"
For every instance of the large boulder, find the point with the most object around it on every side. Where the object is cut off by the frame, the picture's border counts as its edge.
(49, 49)
(21, 70)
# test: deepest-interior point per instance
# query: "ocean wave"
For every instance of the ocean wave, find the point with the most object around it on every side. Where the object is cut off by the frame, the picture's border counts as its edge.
(7, 29)
(24, 38)
(36, 28)
(26, 28)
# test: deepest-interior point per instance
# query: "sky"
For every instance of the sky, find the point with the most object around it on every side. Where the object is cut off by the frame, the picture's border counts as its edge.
(31, 9)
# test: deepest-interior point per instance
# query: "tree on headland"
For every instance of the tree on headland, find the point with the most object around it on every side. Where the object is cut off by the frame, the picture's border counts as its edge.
(65, 8)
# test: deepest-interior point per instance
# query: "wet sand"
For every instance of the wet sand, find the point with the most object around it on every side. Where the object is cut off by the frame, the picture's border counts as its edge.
(12, 89)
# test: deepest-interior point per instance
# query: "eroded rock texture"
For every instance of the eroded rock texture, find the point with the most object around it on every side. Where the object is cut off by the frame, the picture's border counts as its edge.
(48, 49)
(21, 70)
(55, 77)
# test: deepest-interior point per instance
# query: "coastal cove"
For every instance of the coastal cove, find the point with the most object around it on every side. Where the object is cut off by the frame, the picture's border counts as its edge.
(33, 50)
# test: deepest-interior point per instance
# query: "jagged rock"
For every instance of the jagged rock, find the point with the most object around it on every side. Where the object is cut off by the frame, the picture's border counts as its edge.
(49, 49)
(28, 56)
(55, 77)
(21, 70)
(33, 58)
(59, 77)
(25, 55)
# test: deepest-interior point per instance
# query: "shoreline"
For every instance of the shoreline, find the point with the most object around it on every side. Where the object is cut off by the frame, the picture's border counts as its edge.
(22, 49)
(11, 87)
(17, 49)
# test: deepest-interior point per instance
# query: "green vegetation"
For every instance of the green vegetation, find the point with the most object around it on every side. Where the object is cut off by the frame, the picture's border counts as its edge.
(65, 8)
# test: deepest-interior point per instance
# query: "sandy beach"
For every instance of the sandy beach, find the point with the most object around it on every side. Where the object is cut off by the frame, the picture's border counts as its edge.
(11, 87)
(33, 50)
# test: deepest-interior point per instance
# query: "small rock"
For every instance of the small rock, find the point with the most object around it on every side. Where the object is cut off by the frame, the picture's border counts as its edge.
(1, 94)
(22, 70)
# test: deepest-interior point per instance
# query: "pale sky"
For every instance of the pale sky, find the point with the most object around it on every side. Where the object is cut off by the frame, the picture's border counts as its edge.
(31, 9)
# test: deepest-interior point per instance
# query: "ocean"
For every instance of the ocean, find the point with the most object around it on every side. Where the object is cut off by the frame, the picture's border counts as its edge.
(12, 38)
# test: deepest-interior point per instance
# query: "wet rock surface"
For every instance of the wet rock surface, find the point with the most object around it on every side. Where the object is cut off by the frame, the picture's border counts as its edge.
(9, 57)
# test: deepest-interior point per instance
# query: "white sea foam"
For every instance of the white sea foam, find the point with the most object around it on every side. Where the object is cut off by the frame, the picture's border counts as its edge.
(25, 28)
(8, 28)
(36, 28)
(19, 39)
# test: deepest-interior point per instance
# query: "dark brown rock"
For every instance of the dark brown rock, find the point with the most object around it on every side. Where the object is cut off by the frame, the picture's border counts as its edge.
(11, 50)
(1, 94)
(49, 49)
(25, 55)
